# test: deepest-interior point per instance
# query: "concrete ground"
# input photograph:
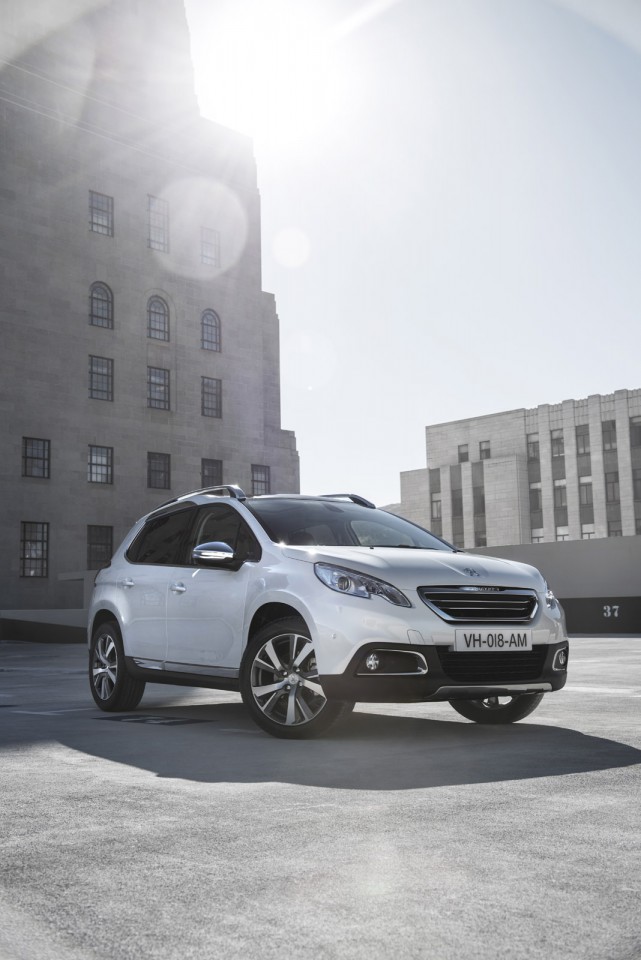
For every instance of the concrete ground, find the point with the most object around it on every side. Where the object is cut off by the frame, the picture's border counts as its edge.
(182, 831)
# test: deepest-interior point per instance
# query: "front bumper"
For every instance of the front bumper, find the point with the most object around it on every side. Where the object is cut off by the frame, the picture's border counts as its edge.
(410, 674)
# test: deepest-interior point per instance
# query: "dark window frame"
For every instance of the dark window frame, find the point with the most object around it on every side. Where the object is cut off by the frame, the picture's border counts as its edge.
(30, 458)
(159, 388)
(158, 470)
(101, 381)
(210, 331)
(34, 539)
(157, 224)
(101, 214)
(214, 477)
(101, 305)
(100, 542)
(261, 479)
(211, 397)
(158, 319)
(100, 465)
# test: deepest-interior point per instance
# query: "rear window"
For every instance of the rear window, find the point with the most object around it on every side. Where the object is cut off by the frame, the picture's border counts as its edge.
(324, 523)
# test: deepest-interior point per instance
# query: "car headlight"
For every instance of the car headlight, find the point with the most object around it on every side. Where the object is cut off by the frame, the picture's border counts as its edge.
(550, 599)
(358, 584)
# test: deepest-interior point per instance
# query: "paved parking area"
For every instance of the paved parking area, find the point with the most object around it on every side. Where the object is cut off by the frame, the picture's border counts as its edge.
(182, 831)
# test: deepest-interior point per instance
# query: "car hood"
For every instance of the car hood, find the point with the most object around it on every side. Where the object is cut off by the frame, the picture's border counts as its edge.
(414, 568)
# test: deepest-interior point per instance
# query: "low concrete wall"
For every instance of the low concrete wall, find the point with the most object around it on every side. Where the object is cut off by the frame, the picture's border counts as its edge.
(44, 626)
(597, 581)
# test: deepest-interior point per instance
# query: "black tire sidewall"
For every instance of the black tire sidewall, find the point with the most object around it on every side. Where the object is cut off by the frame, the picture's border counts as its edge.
(519, 708)
(127, 691)
(328, 714)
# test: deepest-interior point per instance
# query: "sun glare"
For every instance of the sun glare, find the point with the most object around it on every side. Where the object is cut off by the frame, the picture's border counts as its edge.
(265, 68)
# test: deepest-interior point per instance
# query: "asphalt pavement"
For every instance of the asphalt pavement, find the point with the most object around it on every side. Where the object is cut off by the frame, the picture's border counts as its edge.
(182, 831)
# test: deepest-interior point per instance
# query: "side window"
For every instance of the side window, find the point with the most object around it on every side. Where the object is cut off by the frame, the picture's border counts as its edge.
(225, 525)
(161, 539)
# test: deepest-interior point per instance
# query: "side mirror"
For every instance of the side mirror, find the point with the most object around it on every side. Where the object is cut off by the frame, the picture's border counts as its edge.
(213, 554)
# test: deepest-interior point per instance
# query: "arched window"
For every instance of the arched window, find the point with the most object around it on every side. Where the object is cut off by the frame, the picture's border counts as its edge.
(101, 305)
(157, 319)
(210, 324)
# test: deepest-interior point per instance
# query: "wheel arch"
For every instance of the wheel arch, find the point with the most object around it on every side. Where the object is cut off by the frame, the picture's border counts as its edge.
(270, 613)
(101, 615)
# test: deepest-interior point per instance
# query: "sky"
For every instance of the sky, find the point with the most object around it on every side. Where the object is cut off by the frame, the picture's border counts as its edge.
(451, 209)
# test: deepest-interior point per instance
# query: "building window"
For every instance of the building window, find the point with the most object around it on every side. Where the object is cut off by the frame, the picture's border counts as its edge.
(585, 494)
(612, 487)
(562, 533)
(211, 473)
(100, 464)
(261, 482)
(36, 457)
(34, 549)
(158, 224)
(463, 454)
(101, 213)
(583, 439)
(537, 535)
(614, 528)
(609, 429)
(558, 448)
(101, 306)
(560, 495)
(211, 397)
(484, 450)
(99, 546)
(210, 246)
(533, 446)
(157, 319)
(636, 483)
(478, 500)
(210, 331)
(159, 471)
(635, 431)
(101, 378)
(535, 497)
(587, 531)
(158, 388)
(436, 513)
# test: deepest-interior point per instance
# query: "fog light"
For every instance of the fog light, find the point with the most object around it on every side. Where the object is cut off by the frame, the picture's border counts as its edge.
(372, 662)
(560, 659)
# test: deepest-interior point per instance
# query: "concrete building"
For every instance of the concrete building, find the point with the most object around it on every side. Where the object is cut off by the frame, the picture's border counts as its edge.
(568, 471)
(140, 356)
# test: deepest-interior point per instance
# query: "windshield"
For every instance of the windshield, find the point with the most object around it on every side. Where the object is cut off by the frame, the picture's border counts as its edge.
(332, 523)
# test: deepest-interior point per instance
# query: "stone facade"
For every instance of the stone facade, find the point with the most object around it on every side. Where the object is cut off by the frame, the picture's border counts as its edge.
(568, 471)
(132, 313)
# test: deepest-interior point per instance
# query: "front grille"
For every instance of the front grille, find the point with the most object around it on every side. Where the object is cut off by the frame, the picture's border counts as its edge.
(480, 604)
(521, 665)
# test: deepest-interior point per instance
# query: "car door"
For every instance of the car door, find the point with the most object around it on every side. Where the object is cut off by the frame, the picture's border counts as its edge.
(143, 583)
(206, 604)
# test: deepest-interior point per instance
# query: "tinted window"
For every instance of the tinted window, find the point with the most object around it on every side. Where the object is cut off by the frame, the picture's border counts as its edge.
(335, 523)
(223, 524)
(161, 538)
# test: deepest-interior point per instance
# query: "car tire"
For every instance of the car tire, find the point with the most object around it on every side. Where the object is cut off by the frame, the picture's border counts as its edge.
(279, 683)
(498, 709)
(112, 687)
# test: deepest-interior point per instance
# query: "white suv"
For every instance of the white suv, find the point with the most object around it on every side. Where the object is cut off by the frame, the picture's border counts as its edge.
(308, 604)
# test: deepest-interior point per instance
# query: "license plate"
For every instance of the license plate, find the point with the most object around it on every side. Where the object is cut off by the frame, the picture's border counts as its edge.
(469, 641)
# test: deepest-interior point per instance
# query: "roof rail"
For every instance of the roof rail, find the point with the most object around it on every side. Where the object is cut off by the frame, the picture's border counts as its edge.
(226, 490)
(354, 497)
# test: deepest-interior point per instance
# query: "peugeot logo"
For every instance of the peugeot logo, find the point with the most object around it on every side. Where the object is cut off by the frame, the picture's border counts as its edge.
(471, 572)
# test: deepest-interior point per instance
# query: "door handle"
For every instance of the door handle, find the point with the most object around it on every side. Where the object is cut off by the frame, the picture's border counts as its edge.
(178, 588)
(127, 582)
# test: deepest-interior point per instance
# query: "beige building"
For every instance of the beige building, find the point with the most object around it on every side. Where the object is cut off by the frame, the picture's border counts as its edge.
(567, 471)
(140, 356)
